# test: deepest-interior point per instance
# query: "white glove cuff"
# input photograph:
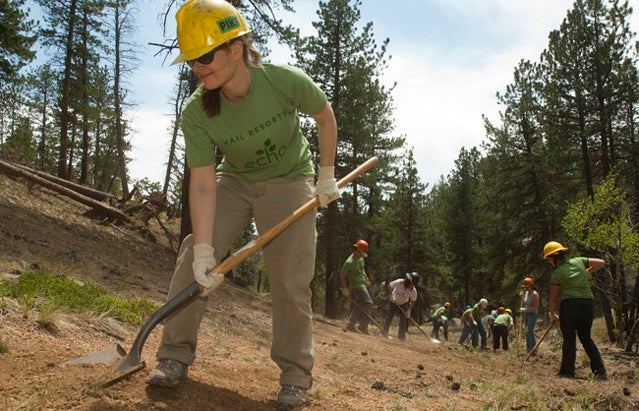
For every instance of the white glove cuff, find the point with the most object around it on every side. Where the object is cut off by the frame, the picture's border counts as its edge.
(326, 173)
(202, 251)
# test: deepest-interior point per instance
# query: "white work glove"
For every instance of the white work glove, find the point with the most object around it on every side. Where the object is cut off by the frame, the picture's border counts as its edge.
(203, 261)
(408, 313)
(326, 189)
(522, 310)
(345, 292)
(475, 323)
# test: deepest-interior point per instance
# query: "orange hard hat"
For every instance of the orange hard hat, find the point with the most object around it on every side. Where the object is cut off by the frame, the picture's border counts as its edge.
(361, 245)
(527, 282)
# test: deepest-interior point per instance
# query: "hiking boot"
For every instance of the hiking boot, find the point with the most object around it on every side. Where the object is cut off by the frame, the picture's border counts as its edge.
(168, 373)
(363, 330)
(291, 396)
(350, 328)
(601, 375)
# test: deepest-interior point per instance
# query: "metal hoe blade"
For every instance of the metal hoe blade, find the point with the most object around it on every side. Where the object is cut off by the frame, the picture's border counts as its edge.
(107, 356)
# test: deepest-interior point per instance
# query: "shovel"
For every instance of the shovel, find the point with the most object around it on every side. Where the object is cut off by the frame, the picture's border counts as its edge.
(132, 361)
(431, 339)
(369, 316)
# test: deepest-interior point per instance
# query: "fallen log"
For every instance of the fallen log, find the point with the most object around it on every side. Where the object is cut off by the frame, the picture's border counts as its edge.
(104, 209)
(79, 188)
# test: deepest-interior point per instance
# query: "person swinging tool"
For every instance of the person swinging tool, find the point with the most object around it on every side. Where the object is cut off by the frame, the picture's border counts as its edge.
(572, 297)
(402, 293)
(263, 179)
(440, 319)
(354, 281)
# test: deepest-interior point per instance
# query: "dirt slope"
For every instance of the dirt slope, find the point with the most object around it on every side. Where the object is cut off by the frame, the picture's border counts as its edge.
(233, 370)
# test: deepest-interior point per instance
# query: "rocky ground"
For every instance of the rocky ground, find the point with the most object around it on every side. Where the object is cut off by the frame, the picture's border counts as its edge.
(233, 370)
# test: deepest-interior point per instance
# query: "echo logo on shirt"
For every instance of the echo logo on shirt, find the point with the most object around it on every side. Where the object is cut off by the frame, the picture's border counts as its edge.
(269, 154)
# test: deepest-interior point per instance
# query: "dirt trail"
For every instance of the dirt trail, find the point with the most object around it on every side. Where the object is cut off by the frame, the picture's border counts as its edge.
(233, 370)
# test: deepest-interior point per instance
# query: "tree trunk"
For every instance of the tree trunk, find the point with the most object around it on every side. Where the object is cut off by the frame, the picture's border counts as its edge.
(63, 171)
(119, 122)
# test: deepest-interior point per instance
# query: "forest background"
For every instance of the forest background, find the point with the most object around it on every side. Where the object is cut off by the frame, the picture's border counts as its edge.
(561, 163)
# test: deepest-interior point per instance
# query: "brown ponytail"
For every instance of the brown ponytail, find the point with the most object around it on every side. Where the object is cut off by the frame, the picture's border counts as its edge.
(211, 100)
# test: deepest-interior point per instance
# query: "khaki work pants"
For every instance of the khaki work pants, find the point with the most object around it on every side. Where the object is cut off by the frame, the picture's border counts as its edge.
(290, 264)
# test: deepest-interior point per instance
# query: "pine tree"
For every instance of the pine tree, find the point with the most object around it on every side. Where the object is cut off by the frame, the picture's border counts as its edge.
(15, 42)
(347, 62)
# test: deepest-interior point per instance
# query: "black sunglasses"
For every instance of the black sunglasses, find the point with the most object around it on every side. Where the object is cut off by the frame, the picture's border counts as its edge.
(206, 58)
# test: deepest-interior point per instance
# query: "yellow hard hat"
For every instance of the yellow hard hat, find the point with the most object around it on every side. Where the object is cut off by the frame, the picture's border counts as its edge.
(553, 247)
(203, 25)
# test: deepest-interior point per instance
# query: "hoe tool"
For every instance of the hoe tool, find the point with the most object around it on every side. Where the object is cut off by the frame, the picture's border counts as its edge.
(431, 339)
(552, 323)
(127, 364)
(370, 317)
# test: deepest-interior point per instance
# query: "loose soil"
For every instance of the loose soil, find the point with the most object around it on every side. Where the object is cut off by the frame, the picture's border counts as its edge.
(233, 371)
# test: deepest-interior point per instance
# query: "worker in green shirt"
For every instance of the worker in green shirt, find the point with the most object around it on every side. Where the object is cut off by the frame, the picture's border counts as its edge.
(477, 315)
(570, 284)
(440, 319)
(250, 112)
(502, 326)
(354, 282)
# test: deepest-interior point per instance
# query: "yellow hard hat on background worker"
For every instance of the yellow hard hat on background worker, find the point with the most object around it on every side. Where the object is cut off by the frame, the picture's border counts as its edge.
(553, 247)
(203, 25)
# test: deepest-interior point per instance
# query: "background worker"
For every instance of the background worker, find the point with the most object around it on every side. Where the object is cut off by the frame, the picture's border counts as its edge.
(354, 281)
(237, 93)
(530, 310)
(467, 325)
(501, 327)
(490, 320)
(402, 293)
(476, 315)
(570, 283)
(440, 319)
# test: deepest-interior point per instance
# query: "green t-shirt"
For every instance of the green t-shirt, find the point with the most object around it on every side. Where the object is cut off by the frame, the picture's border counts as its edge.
(353, 269)
(503, 319)
(466, 314)
(439, 312)
(478, 312)
(572, 278)
(259, 137)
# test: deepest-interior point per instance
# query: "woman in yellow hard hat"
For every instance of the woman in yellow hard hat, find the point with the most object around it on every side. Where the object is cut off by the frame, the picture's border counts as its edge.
(570, 283)
(501, 328)
(249, 111)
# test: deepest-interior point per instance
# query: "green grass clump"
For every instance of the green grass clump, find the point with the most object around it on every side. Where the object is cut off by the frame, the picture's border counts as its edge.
(4, 347)
(57, 293)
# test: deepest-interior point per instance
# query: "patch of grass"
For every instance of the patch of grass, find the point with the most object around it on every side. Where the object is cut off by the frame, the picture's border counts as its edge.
(51, 293)
(48, 317)
(318, 394)
(4, 347)
(36, 401)
(520, 395)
